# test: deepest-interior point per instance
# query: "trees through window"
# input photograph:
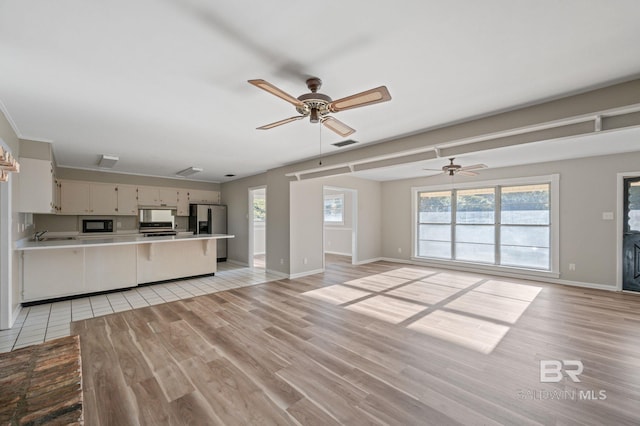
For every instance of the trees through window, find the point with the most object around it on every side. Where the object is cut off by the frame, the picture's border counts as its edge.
(498, 225)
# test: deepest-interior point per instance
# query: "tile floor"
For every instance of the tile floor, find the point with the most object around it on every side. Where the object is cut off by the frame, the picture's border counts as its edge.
(40, 323)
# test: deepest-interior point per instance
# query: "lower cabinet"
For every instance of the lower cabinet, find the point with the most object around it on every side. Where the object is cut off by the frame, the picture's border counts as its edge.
(177, 259)
(52, 273)
(56, 273)
(109, 267)
(61, 272)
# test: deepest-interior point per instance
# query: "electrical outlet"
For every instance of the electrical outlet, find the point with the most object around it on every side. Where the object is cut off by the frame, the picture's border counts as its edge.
(399, 249)
(572, 266)
(282, 261)
(305, 261)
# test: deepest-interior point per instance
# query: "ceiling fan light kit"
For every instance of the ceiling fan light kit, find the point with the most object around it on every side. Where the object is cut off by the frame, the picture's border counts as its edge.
(317, 106)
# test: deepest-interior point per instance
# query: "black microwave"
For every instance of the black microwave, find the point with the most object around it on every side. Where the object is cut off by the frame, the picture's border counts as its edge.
(97, 225)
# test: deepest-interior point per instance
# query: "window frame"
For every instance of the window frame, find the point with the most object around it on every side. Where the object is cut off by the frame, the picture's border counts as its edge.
(554, 223)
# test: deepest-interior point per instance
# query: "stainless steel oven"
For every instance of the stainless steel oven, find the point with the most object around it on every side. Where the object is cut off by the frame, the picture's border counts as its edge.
(97, 225)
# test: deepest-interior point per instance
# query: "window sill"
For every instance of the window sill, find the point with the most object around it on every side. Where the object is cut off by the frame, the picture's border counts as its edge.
(480, 268)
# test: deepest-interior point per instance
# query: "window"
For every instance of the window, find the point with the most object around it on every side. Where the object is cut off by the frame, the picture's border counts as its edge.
(525, 226)
(334, 208)
(500, 224)
(475, 225)
(259, 208)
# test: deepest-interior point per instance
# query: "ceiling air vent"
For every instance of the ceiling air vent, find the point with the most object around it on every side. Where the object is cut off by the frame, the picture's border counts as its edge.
(344, 143)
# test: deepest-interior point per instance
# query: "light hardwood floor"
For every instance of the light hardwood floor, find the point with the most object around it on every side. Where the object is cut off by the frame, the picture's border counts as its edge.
(381, 343)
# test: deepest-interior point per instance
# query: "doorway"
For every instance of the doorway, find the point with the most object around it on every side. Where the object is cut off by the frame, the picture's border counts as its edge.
(340, 225)
(258, 227)
(631, 234)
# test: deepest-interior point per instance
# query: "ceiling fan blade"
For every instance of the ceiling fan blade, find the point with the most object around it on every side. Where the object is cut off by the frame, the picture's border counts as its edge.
(337, 126)
(264, 85)
(433, 170)
(281, 122)
(466, 173)
(373, 96)
(473, 167)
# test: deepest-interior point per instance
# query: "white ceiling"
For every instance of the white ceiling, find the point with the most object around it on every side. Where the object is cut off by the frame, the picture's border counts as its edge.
(163, 83)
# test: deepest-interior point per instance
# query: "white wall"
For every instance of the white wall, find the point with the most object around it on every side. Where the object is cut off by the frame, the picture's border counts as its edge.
(587, 189)
(10, 296)
(235, 195)
(306, 218)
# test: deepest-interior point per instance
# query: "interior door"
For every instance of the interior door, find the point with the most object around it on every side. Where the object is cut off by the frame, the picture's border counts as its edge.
(631, 238)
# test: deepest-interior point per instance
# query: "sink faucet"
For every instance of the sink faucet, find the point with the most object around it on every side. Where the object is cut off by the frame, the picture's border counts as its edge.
(38, 235)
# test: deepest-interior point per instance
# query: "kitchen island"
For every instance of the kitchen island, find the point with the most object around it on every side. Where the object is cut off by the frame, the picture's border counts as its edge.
(65, 266)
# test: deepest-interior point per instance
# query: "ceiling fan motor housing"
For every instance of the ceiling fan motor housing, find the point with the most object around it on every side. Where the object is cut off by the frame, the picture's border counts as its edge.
(315, 105)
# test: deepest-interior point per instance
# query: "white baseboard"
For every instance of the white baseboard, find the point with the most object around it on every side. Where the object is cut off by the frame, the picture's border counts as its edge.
(365, 261)
(509, 275)
(14, 317)
(337, 252)
(583, 284)
(282, 275)
(394, 260)
(237, 262)
(306, 273)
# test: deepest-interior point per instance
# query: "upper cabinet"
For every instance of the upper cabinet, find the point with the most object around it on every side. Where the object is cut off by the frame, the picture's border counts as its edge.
(74, 197)
(168, 197)
(127, 200)
(37, 186)
(183, 203)
(104, 198)
(93, 198)
(150, 196)
(206, 197)
(86, 198)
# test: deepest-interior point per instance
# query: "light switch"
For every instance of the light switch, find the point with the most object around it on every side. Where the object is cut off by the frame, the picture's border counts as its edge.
(607, 215)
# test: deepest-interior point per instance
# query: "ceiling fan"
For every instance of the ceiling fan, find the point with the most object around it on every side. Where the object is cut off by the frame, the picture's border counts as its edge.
(455, 169)
(317, 106)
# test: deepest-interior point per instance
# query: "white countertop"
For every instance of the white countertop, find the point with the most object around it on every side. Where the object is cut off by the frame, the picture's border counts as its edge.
(79, 242)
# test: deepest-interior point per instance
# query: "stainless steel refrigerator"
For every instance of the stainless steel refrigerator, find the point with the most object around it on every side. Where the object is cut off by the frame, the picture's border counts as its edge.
(210, 219)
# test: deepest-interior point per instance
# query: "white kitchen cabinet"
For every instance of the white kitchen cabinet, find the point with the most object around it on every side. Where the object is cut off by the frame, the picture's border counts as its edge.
(168, 197)
(103, 198)
(75, 197)
(109, 267)
(183, 203)
(201, 196)
(37, 186)
(56, 273)
(127, 200)
(148, 196)
(52, 273)
(88, 198)
(166, 261)
(67, 268)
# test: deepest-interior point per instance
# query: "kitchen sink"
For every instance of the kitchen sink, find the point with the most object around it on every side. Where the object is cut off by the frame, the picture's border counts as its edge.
(58, 238)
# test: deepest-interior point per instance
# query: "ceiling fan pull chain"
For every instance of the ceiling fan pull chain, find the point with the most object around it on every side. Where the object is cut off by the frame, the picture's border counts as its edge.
(320, 138)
